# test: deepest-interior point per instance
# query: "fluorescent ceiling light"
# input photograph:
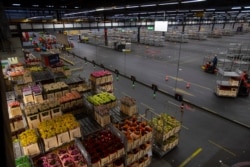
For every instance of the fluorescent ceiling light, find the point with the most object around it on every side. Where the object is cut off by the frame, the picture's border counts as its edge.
(35, 5)
(49, 6)
(132, 6)
(182, 10)
(88, 11)
(16, 4)
(237, 7)
(219, 12)
(76, 7)
(193, 1)
(119, 7)
(149, 5)
(210, 9)
(99, 9)
(171, 11)
(170, 3)
(245, 11)
(151, 12)
(63, 6)
(247, 7)
(236, 11)
(197, 10)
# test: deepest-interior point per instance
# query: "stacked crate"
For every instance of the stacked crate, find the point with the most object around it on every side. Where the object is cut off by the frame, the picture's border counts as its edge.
(102, 80)
(128, 106)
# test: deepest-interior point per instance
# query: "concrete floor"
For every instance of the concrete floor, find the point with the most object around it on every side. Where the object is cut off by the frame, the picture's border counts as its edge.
(219, 132)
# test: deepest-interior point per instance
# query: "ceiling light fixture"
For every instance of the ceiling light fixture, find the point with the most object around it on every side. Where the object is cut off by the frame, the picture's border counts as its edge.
(100, 9)
(197, 10)
(132, 7)
(16, 4)
(236, 8)
(247, 7)
(245, 11)
(148, 5)
(170, 3)
(210, 9)
(35, 5)
(119, 7)
(193, 1)
(182, 10)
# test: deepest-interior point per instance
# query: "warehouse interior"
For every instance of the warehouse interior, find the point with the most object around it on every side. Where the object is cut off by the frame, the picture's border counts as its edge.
(164, 75)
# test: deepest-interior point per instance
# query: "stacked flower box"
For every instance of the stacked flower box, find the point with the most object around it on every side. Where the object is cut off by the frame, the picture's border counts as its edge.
(27, 95)
(56, 131)
(166, 131)
(104, 99)
(102, 103)
(71, 100)
(66, 155)
(128, 105)
(102, 80)
(27, 77)
(104, 148)
(14, 108)
(37, 94)
(29, 142)
(139, 140)
(33, 120)
(55, 90)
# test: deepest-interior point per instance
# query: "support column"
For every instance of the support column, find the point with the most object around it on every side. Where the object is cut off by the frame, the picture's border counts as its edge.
(6, 139)
(4, 31)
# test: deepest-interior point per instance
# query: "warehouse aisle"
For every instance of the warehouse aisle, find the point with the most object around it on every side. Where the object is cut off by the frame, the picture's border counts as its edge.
(151, 65)
(204, 138)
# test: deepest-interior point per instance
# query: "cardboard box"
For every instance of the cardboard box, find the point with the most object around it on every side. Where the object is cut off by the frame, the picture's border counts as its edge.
(33, 120)
(50, 143)
(75, 133)
(56, 112)
(31, 150)
(45, 115)
(63, 138)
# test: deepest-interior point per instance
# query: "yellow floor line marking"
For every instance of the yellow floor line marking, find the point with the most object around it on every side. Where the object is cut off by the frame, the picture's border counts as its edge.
(190, 157)
(183, 92)
(76, 69)
(147, 106)
(182, 80)
(175, 78)
(221, 147)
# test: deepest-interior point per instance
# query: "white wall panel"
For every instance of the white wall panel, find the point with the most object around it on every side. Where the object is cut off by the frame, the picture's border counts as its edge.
(59, 26)
(25, 26)
(37, 26)
(48, 26)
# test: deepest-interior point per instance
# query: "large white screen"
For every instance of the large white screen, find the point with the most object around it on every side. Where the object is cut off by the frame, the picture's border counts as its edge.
(161, 26)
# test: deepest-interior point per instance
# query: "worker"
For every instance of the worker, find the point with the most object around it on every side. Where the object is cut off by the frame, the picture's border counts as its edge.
(215, 60)
(208, 67)
(244, 85)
